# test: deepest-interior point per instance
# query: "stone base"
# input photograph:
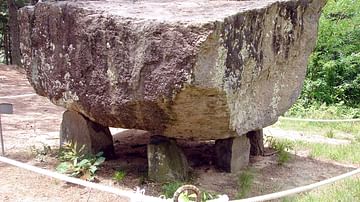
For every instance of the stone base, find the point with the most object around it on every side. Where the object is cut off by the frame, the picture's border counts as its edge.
(232, 154)
(77, 128)
(166, 160)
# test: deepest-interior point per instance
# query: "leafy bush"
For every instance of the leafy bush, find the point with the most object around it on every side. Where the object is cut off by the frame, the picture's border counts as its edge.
(334, 69)
(77, 164)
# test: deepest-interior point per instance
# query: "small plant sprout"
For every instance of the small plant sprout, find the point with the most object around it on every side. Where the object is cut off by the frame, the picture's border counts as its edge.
(41, 154)
(282, 147)
(205, 196)
(245, 181)
(168, 189)
(119, 175)
(77, 164)
(330, 134)
(70, 151)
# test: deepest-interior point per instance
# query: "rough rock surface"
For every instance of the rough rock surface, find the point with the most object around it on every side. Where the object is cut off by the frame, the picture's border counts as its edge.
(186, 69)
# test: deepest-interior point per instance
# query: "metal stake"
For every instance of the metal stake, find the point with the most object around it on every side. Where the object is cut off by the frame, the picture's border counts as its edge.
(1, 139)
(5, 108)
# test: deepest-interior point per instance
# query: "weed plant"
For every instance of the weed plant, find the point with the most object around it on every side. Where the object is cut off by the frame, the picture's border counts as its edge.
(168, 189)
(282, 147)
(41, 153)
(77, 164)
(245, 181)
(119, 175)
(330, 134)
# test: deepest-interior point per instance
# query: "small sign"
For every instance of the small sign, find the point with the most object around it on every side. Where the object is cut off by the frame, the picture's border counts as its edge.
(6, 108)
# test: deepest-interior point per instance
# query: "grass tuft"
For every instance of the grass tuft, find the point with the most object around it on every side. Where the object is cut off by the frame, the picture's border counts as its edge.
(168, 189)
(282, 146)
(119, 175)
(330, 134)
(245, 181)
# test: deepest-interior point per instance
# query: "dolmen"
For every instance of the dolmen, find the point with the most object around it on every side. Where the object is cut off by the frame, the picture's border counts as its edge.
(179, 69)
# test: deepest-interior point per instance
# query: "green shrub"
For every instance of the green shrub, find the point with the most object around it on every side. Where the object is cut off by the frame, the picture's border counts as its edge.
(77, 164)
(334, 69)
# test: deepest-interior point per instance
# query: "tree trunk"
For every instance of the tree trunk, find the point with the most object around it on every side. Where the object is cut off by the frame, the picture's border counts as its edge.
(6, 44)
(256, 142)
(14, 33)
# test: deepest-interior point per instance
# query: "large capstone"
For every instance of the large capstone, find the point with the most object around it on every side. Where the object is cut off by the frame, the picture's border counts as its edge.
(184, 69)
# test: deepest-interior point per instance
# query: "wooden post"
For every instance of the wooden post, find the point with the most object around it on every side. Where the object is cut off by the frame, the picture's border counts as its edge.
(6, 44)
(257, 142)
(14, 31)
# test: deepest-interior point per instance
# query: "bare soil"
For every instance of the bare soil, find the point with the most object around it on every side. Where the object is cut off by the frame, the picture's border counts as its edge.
(36, 122)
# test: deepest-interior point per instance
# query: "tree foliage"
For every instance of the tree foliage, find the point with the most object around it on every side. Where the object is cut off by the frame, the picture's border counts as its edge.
(6, 29)
(3, 26)
(334, 69)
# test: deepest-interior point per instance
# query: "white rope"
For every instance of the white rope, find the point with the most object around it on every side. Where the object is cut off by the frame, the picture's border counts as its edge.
(320, 120)
(17, 96)
(134, 197)
(298, 189)
(138, 197)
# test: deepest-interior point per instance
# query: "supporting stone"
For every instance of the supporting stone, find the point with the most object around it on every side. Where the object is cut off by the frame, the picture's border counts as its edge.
(257, 142)
(166, 160)
(77, 128)
(232, 154)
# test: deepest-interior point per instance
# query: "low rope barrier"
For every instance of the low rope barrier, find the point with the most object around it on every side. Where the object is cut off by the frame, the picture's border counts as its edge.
(297, 190)
(319, 120)
(17, 96)
(140, 197)
(134, 197)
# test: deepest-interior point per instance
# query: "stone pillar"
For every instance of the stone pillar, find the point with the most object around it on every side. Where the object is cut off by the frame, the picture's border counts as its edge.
(77, 128)
(232, 154)
(257, 142)
(166, 161)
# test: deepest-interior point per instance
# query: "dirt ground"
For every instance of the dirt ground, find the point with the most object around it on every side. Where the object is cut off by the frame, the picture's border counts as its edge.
(36, 122)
